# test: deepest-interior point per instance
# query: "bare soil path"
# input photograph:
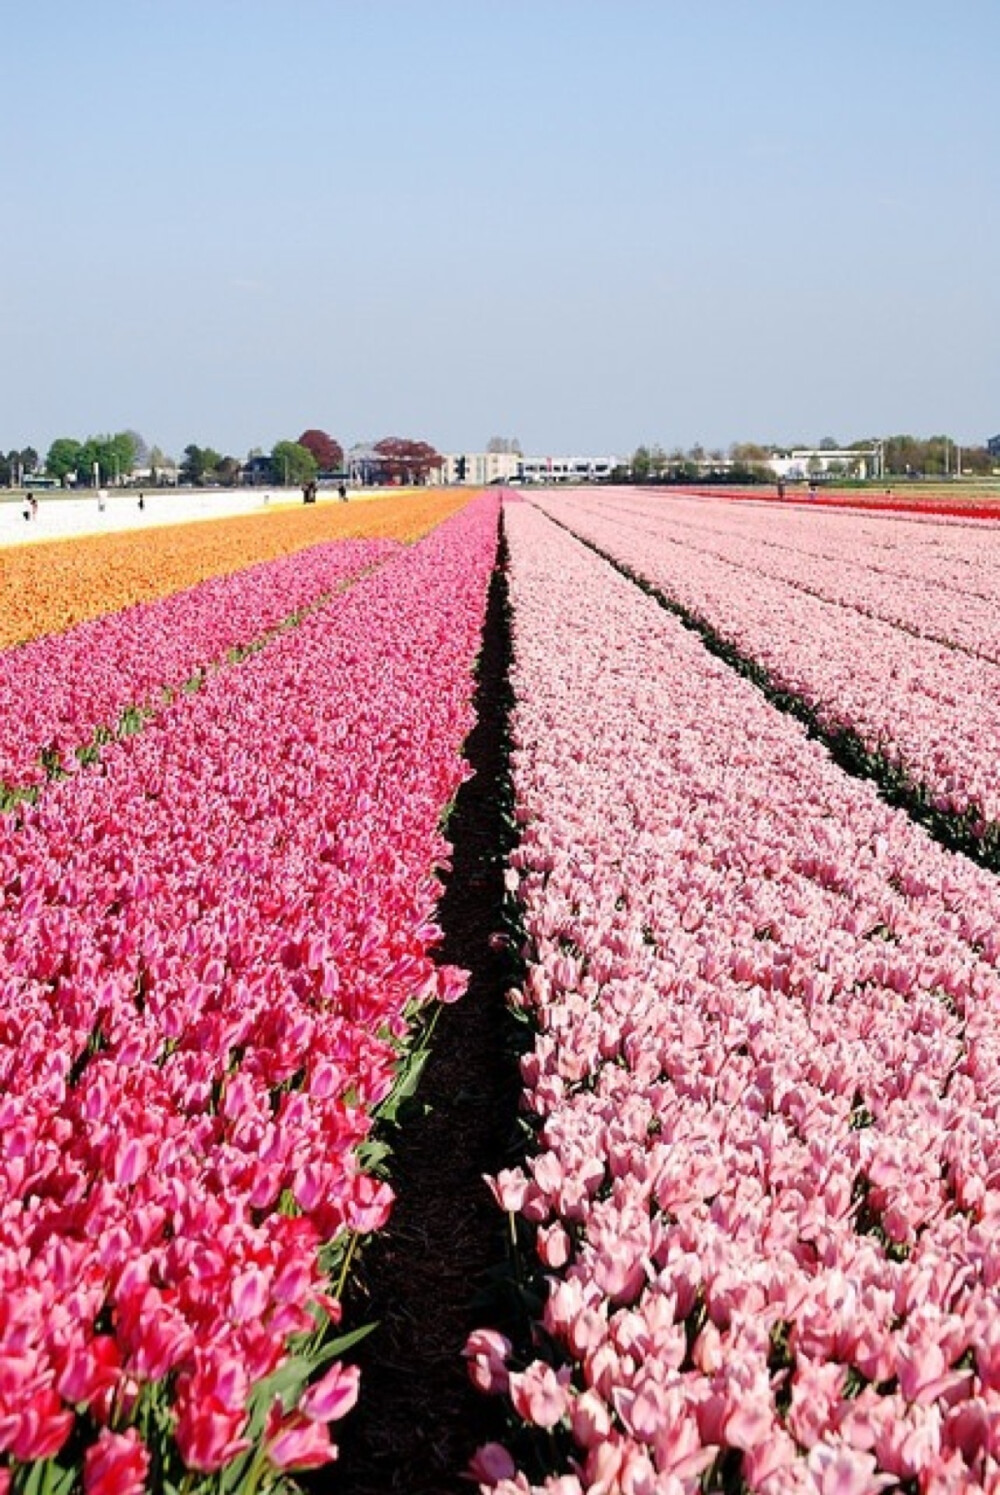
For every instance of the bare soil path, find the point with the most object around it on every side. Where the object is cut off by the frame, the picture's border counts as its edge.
(418, 1420)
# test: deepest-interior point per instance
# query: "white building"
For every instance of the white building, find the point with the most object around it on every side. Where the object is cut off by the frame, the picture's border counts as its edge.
(807, 462)
(482, 468)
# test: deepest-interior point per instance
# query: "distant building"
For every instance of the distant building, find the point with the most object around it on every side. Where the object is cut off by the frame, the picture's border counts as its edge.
(993, 446)
(482, 468)
(820, 462)
(565, 469)
(257, 472)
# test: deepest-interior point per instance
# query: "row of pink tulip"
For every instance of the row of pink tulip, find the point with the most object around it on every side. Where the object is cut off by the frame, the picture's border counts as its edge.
(932, 711)
(766, 1185)
(938, 579)
(212, 946)
(57, 691)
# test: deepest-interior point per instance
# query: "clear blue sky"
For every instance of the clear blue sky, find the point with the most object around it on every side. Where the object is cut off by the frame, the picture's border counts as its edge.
(583, 223)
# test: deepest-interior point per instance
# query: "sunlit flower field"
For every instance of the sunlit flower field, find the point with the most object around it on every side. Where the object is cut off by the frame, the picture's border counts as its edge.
(753, 925)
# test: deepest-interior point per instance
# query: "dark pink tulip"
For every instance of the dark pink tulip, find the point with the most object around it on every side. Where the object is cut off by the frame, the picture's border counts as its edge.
(40, 1429)
(491, 1463)
(91, 1368)
(195, 932)
(209, 1434)
(117, 1464)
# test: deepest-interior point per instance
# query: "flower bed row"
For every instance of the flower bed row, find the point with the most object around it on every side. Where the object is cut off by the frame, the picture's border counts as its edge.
(57, 583)
(211, 949)
(936, 580)
(930, 500)
(57, 691)
(765, 1187)
(929, 711)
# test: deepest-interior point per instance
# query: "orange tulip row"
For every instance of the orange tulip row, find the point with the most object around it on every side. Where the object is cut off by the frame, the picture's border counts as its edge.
(53, 585)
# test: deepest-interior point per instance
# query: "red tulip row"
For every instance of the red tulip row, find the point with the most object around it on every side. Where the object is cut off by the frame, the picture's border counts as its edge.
(765, 1190)
(211, 949)
(58, 690)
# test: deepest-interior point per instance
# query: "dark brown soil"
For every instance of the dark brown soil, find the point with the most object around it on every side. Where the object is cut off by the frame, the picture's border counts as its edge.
(418, 1420)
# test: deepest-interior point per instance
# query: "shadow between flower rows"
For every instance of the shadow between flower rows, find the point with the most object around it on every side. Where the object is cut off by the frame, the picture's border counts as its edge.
(425, 1278)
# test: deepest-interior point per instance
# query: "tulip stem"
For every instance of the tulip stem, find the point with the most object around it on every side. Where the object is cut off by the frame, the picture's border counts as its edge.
(253, 1474)
(348, 1255)
(514, 1251)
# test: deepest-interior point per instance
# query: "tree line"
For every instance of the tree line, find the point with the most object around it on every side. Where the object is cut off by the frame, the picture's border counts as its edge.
(748, 461)
(112, 459)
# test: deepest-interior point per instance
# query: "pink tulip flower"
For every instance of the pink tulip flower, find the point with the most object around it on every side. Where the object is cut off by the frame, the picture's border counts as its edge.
(333, 1396)
(117, 1464)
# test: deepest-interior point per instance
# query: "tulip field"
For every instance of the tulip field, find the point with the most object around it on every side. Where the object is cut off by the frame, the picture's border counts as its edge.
(753, 1217)
(53, 585)
(216, 933)
(764, 1190)
(882, 626)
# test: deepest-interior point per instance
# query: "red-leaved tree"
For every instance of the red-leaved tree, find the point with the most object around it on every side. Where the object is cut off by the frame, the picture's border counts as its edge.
(329, 454)
(407, 461)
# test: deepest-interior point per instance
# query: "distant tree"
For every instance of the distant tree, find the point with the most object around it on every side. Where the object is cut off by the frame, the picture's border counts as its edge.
(938, 454)
(29, 459)
(977, 461)
(192, 465)
(504, 444)
(114, 457)
(227, 470)
(293, 463)
(903, 454)
(140, 449)
(329, 454)
(750, 459)
(829, 444)
(406, 461)
(63, 459)
(641, 464)
(198, 464)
